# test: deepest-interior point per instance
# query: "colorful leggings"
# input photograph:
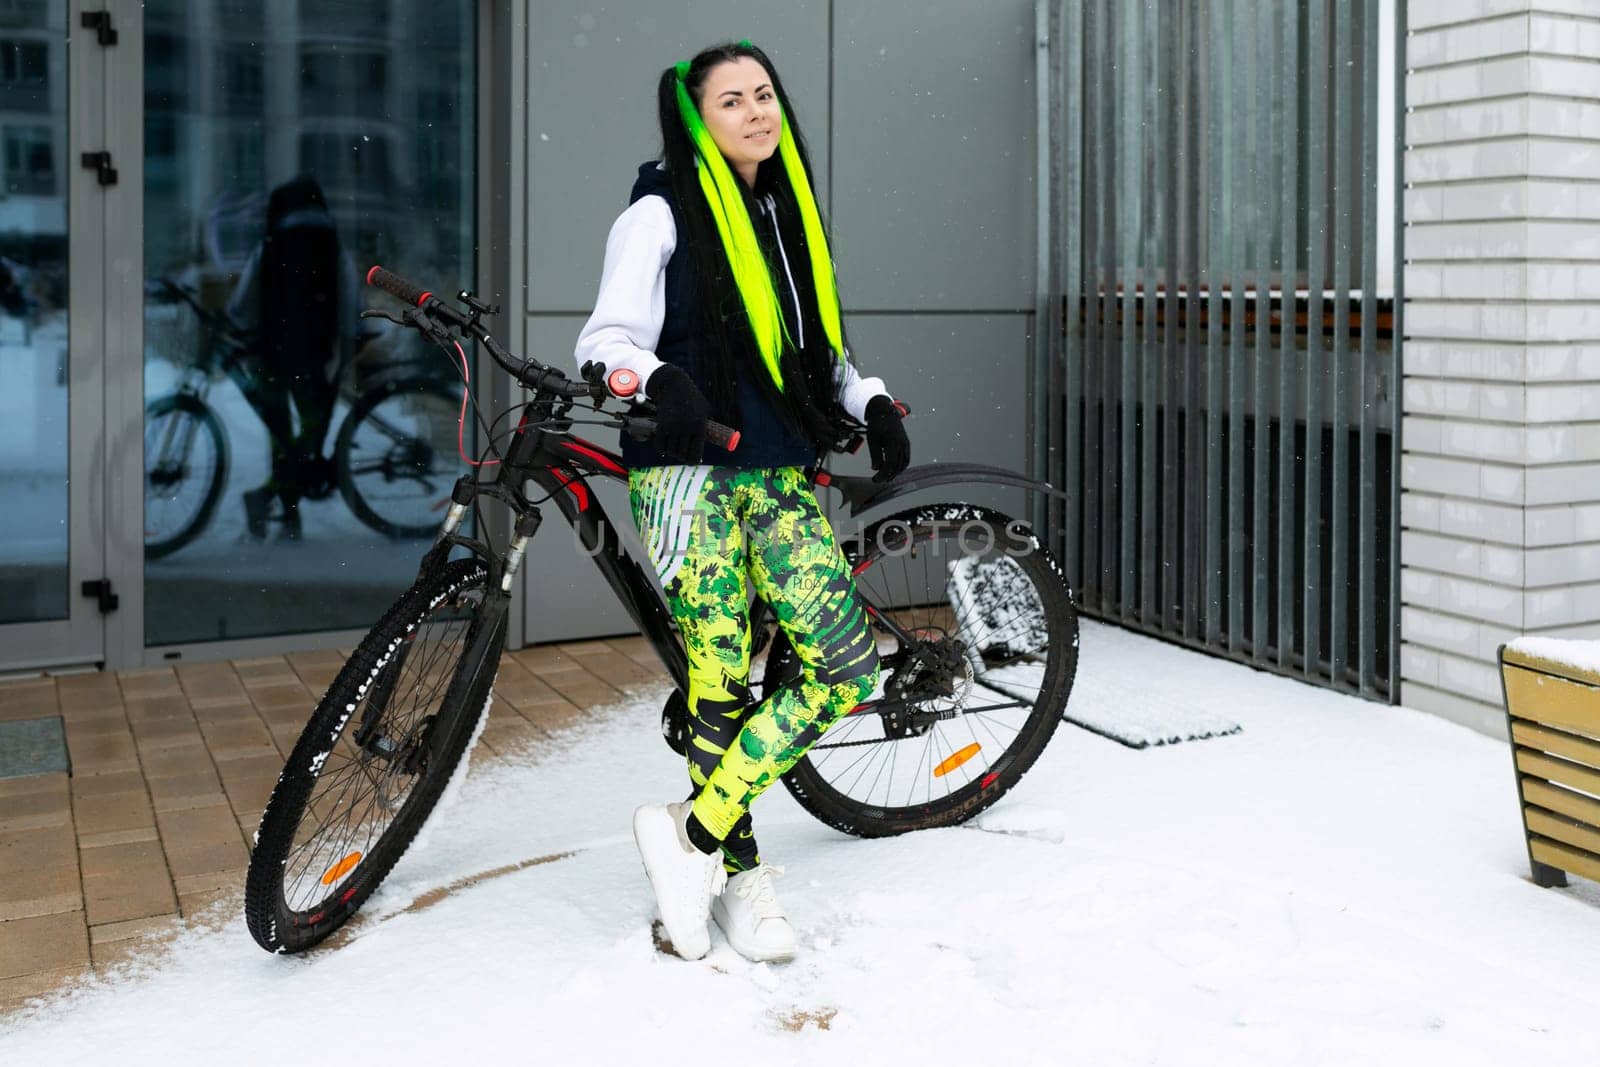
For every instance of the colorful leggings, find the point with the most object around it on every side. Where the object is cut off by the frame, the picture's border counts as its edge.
(706, 529)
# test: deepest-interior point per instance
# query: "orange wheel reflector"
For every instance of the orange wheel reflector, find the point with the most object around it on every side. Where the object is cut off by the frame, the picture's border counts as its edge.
(956, 760)
(342, 868)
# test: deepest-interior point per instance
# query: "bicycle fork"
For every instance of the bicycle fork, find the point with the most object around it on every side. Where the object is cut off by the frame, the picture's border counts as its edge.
(461, 498)
(467, 691)
(484, 640)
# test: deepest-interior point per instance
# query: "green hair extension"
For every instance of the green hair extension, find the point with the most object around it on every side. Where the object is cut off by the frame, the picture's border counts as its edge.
(750, 272)
(816, 241)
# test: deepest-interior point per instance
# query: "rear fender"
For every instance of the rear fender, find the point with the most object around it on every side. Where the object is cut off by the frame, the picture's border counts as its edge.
(861, 493)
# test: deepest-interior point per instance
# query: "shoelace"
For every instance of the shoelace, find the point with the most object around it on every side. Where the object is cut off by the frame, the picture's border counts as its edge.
(758, 890)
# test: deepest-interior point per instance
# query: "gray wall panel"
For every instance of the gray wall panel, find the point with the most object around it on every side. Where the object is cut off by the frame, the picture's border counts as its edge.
(592, 114)
(565, 598)
(966, 380)
(934, 154)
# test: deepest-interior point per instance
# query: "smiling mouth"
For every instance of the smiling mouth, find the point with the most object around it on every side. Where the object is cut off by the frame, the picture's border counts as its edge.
(758, 133)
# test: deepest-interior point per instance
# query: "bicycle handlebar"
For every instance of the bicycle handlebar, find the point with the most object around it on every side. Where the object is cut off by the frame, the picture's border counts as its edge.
(530, 373)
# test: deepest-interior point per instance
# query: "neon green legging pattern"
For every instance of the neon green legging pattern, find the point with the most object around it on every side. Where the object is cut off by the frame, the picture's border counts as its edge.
(711, 532)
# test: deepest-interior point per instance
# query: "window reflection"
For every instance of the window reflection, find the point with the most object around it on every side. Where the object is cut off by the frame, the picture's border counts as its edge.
(295, 453)
(33, 313)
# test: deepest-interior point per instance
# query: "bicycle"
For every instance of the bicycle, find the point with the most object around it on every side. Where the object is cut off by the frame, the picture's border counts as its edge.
(977, 653)
(390, 459)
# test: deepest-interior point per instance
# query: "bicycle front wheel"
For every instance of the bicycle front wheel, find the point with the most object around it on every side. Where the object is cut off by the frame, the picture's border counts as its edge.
(185, 467)
(977, 645)
(374, 759)
(396, 456)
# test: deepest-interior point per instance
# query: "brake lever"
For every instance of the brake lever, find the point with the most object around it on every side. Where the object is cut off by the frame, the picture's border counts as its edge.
(429, 327)
(415, 319)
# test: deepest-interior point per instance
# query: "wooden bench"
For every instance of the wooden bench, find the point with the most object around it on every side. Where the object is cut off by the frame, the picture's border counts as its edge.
(1553, 717)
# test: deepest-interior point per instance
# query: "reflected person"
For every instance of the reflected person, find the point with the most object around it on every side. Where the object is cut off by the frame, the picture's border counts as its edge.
(299, 292)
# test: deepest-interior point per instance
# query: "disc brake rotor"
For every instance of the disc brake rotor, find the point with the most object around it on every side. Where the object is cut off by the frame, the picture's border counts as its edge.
(929, 681)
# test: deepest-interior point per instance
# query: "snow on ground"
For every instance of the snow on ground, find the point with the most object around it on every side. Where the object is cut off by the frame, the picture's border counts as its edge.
(1341, 883)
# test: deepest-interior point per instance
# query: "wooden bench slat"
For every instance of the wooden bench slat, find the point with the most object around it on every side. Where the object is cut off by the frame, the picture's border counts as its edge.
(1555, 798)
(1546, 739)
(1565, 858)
(1564, 830)
(1548, 666)
(1553, 769)
(1558, 702)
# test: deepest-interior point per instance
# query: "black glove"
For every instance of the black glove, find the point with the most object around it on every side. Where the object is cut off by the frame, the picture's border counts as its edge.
(681, 412)
(887, 443)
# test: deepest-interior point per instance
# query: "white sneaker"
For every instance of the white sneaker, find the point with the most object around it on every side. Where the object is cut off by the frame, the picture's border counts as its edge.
(748, 913)
(684, 878)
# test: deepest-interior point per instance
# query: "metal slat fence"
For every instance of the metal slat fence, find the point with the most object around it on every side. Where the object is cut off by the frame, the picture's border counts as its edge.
(1217, 369)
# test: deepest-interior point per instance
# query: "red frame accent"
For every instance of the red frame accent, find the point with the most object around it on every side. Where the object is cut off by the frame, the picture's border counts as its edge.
(572, 482)
(605, 459)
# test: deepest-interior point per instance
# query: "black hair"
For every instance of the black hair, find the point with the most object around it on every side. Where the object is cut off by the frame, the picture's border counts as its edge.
(806, 400)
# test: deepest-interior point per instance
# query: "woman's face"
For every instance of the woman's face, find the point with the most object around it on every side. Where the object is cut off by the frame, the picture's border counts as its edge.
(740, 108)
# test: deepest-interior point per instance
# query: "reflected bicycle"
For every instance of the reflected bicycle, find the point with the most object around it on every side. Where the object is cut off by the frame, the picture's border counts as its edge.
(393, 451)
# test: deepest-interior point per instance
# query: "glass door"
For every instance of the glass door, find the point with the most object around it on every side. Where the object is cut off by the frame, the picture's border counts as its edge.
(297, 457)
(52, 247)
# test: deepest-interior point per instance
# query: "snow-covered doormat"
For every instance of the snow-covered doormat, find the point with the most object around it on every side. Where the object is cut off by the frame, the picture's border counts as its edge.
(1142, 720)
(1149, 723)
(998, 611)
(1147, 707)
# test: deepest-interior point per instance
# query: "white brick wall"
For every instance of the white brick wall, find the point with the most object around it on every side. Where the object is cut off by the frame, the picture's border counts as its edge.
(1500, 477)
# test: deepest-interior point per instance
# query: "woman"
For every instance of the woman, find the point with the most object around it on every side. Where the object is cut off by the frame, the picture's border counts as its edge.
(718, 291)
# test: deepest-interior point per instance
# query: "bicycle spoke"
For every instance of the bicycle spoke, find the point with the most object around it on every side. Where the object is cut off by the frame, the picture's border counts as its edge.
(358, 797)
(870, 754)
(881, 765)
(309, 850)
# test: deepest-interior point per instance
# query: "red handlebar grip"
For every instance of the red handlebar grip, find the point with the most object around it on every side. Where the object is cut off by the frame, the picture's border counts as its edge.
(721, 435)
(393, 284)
(900, 406)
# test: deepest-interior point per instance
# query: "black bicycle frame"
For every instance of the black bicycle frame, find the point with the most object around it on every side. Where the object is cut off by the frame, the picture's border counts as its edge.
(560, 465)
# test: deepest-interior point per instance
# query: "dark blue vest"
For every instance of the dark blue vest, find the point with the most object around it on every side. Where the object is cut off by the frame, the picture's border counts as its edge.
(765, 439)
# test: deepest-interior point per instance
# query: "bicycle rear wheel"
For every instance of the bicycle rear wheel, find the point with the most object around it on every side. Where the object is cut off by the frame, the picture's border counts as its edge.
(396, 456)
(185, 467)
(375, 757)
(978, 645)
